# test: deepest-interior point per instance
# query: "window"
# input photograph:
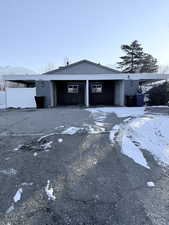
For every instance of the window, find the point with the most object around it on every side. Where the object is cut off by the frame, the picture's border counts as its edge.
(73, 88)
(96, 88)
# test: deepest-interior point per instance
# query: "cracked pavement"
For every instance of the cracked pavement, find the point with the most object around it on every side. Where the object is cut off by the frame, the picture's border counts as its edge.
(93, 183)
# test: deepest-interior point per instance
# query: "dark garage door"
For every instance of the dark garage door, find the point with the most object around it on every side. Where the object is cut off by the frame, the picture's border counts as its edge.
(101, 93)
(70, 93)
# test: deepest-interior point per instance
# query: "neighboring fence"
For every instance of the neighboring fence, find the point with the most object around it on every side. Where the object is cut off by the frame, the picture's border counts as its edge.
(18, 97)
(2, 99)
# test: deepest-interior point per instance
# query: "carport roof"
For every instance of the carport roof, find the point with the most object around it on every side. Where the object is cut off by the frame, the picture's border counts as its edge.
(115, 76)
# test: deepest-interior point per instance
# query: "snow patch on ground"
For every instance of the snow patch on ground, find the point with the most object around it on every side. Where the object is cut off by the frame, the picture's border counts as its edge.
(10, 209)
(7, 158)
(47, 146)
(27, 184)
(59, 127)
(18, 194)
(71, 130)
(35, 154)
(113, 133)
(127, 120)
(100, 124)
(10, 172)
(45, 136)
(94, 129)
(150, 184)
(18, 148)
(151, 133)
(49, 191)
(60, 140)
(16, 198)
(129, 149)
(120, 134)
(119, 111)
(158, 106)
(98, 115)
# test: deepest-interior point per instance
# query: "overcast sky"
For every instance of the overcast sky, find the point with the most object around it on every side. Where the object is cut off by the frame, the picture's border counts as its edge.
(36, 32)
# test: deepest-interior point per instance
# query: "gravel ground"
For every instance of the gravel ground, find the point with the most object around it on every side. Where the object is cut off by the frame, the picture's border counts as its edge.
(90, 181)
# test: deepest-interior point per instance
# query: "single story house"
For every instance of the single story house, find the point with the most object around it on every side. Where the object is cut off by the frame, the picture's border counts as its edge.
(85, 83)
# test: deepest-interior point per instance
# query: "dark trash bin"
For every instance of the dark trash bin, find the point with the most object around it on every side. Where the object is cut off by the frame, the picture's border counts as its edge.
(140, 99)
(131, 100)
(40, 100)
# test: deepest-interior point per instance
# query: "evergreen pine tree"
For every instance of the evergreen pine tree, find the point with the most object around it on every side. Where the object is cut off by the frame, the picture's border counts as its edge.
(149, 64)
(136, 61)
(132, 61)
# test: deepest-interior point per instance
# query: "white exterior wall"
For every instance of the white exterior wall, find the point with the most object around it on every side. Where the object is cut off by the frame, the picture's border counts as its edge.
(119, 93)
(20, 97)
(87, 94)
(2, 99)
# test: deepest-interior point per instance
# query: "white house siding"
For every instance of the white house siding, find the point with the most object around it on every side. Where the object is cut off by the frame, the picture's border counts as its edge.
(119, 93)
(45, 88)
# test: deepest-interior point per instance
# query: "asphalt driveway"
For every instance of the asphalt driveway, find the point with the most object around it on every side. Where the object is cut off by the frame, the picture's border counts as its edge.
(58, 167)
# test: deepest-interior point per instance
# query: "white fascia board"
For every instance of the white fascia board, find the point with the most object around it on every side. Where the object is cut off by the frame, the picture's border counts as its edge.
(20, 77)
(50, 77)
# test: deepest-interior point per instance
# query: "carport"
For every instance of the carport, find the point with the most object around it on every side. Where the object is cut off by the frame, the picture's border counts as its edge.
(102, 92)
(87, 92)
(69, 92)
(85, 89)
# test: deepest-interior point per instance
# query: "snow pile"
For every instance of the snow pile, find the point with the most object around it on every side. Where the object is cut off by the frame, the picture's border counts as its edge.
(147, 87)
(133, 152)
(128, 148)
(151, 133)
(49, 191)
(148, 133)
(119, 111)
